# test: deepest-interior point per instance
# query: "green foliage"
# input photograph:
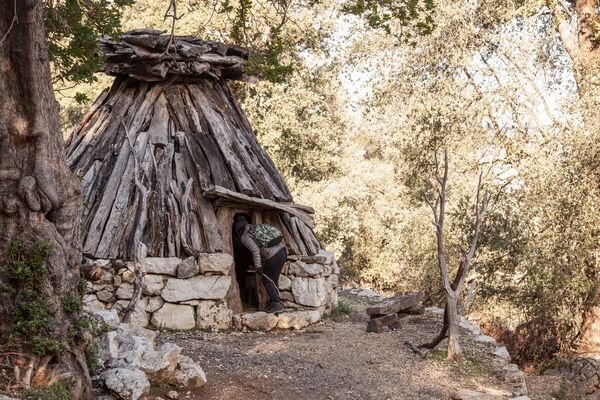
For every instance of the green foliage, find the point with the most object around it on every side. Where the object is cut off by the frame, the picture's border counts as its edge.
(404, 19)
(268, 64)
(339, 313)
(72, 29)
(92, 354)
(33, 323)
(56, 391)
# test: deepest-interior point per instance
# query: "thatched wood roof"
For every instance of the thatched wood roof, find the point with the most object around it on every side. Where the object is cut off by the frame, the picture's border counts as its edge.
(192, 150)
(149, 55)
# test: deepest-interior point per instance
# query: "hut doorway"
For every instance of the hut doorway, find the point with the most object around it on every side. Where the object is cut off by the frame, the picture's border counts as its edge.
(243, 262)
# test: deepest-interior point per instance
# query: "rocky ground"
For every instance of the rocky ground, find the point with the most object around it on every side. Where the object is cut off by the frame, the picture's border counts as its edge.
(338, 359)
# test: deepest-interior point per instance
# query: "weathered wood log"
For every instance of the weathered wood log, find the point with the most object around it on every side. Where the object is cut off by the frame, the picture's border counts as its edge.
(146, 57)
(395, 304)
(218, 192)
(385, 323)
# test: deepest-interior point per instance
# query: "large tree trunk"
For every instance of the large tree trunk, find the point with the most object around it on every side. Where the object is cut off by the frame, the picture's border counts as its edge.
(40, 200)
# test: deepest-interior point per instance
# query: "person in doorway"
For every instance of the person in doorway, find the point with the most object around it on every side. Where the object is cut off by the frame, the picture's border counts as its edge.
(269, 253)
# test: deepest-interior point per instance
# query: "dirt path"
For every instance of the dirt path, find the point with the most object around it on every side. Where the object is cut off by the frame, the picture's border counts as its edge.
(338, 360)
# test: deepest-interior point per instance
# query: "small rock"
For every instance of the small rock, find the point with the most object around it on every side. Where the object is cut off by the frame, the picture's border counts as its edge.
(152, 285)
(188, 268)
(284, 283)
(305, 270)
(154, 303)
(125, 291)
(105, 296)
(502, 353)
(91, 303)
(259, 321)
(172, 394)
(221, 263)
(188, 373)
(128, 276)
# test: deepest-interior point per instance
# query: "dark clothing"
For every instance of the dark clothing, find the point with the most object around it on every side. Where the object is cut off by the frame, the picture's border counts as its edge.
(272, 269)
(270, 259)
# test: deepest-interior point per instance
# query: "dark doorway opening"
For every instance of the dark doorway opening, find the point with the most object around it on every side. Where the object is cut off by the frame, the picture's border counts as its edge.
(243, 262)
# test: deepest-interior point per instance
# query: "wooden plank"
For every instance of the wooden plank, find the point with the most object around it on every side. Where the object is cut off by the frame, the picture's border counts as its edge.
(224, 223)
(287, 237)
(311, 242)
(223, 139)
(395, 304)
(159, 124)
(218, 192)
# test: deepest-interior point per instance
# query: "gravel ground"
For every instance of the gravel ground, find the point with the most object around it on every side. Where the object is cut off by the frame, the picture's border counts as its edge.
(340, 360)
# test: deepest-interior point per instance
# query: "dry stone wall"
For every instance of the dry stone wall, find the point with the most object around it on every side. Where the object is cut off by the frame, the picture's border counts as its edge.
(183, 294)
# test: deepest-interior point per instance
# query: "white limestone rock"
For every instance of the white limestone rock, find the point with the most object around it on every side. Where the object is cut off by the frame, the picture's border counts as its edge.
(188, 373)
(140, 316)
(211, 314)
(128, 276)
(125, 291)
(154, 303)
(259, 321)
(131, 351)
(160, 265)
(174, 316)
(127, 383)
(309, 292)
(286, 296)
(304, 270)
(220, 263)
(199, 287)
(297, 319)
(91, 303)
(152, 284)
(105, 296)
(284, 283)
(188, 268)
(108, 348)
(329, 258)
(502, 352)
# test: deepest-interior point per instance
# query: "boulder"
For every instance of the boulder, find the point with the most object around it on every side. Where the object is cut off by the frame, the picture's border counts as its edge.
(220, 263)
(305, 270)
(160, 265)
(297, 319)
(125, 291)
(309, 292)
(199, 287)
(127, 383)
(174, 316)
(154, 303)
(152, 285)
(284, 283)
(159, 364)
(188, 373)
(188, 268)
(259, 321)
(130, 352)
(210, 314)
(126, 330)
(102, 263)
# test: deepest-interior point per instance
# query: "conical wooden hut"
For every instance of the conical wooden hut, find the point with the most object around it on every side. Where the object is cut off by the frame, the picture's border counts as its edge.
(167, 158)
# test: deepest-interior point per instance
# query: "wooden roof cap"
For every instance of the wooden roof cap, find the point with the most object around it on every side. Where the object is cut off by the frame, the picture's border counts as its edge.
(150, 55)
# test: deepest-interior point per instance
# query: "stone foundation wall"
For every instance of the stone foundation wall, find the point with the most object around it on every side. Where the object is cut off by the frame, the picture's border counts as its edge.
(183, 294)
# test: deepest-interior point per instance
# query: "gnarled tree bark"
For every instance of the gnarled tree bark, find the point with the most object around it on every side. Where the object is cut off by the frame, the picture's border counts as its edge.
(40, 199)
